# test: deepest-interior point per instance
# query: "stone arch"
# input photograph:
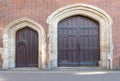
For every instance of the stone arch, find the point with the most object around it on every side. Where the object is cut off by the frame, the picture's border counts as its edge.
(92, 12)
(9, 33)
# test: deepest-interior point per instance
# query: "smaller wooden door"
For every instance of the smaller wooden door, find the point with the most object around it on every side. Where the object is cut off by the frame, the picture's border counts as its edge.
(26, 48)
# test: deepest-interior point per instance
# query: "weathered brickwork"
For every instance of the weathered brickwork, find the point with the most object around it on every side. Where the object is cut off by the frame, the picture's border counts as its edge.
(39, 10)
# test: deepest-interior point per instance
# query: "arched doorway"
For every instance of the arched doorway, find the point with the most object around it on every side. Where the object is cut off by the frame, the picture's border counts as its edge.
(95, 13)
(78, 42)
(26, 48)
(9, 41)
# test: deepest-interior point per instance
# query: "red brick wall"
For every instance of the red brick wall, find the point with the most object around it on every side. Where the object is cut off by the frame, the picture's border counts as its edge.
(39, 10)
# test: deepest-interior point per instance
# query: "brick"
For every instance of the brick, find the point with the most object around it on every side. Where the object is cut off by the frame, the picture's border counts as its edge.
(39, 10)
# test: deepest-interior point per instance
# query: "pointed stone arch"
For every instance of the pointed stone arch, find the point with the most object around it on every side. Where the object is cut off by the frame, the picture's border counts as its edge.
(9, 33)
(92, 12)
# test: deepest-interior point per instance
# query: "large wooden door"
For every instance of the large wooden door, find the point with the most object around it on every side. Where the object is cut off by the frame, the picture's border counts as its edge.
(78, 42)
(26, 48)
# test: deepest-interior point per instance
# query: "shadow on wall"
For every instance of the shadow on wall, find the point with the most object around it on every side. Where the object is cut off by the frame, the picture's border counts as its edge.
(1, 61)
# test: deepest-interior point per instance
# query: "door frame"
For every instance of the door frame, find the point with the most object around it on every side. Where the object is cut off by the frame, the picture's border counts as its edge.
(95, 13)
(9, 36)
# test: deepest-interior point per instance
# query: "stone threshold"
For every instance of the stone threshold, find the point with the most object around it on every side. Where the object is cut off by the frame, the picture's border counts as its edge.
(57, 69)
(21, 69)
(81, 69)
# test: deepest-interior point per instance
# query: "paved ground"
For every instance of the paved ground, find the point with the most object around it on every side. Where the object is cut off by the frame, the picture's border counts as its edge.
(59, 76)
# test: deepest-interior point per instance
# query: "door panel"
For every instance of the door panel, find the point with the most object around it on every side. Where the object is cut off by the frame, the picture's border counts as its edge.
(78, 42)
(27, 48)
